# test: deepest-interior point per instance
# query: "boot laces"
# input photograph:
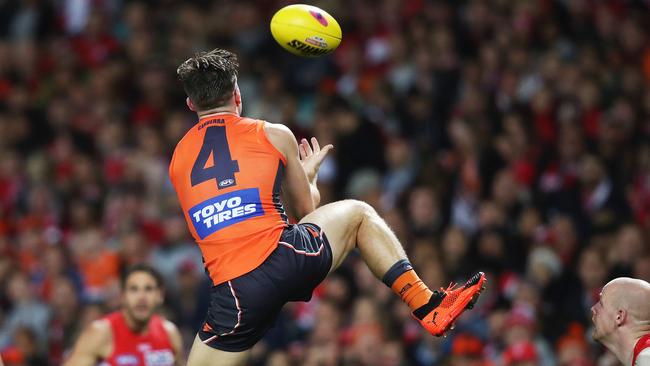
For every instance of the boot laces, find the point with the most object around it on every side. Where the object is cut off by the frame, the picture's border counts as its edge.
(450, 288)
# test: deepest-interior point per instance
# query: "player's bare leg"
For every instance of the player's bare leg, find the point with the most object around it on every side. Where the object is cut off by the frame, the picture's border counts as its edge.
(350, 224)
(203, 355)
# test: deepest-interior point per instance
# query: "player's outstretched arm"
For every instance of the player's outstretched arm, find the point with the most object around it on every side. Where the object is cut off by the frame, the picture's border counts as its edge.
(92, 345)
(177, 342)
(301, 168)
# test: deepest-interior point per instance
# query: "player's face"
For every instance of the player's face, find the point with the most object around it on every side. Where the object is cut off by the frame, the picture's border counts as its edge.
(603, 315)
(141, 296)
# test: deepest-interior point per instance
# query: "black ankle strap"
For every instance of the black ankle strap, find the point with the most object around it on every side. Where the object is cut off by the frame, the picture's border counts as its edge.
(434, 302)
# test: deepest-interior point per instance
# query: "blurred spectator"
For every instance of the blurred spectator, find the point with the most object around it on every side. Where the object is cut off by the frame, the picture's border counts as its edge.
(466, 350)
(521, 353)
(424, 211)
(65, 305)
(98, 265)
(176, 253)
(26, 312)
(572, 348)
(26, 350)
(359, 144)
(544, 266)
(455, 250)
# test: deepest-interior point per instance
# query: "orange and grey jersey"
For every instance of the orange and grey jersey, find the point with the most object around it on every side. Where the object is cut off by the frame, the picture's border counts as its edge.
(227, 176)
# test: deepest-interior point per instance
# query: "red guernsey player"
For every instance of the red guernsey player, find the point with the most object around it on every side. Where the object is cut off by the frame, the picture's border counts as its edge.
(133, 336)
(621, 320)
(228, 171)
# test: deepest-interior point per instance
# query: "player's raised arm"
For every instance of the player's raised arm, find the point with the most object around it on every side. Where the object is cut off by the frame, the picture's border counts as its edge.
(302, 166)
(91, 345)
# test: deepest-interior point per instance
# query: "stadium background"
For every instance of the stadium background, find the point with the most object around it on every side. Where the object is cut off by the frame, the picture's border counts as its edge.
(505, 136)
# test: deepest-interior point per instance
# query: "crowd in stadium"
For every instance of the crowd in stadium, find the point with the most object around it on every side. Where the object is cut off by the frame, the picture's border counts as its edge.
(511, 137)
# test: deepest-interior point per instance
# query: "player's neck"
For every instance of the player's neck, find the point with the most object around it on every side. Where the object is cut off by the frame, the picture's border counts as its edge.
(134, 325)
(632, 340)
(624, 347)
(217, 111)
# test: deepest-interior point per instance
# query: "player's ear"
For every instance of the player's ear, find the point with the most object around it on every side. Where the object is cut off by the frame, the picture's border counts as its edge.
(190, 105)
(237, 94)
(621, 316)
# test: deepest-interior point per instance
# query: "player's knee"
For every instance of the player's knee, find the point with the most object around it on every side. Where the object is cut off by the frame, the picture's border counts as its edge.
(361, 209)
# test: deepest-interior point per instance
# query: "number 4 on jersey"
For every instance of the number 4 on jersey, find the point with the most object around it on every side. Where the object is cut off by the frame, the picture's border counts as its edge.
(215, 143)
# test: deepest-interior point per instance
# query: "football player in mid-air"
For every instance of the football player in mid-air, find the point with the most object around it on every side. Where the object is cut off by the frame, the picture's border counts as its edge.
(228, 171)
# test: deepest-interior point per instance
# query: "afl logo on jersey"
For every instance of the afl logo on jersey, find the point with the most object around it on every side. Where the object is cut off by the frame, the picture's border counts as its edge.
(226, 183)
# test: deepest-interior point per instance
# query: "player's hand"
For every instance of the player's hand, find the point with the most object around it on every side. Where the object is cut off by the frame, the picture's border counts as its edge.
(311, 156)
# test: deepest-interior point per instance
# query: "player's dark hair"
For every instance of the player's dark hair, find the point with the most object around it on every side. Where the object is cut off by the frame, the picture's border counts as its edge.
(141, 267)
(209, 78)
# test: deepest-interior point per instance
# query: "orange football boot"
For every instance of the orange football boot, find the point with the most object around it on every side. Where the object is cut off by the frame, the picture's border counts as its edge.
(445, 306)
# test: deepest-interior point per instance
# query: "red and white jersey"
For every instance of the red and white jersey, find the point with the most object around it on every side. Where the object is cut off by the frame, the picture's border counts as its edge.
(642, 352)
(152, 348)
